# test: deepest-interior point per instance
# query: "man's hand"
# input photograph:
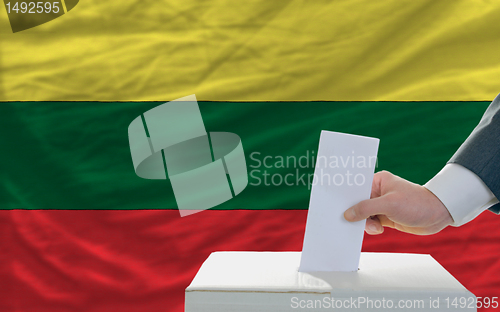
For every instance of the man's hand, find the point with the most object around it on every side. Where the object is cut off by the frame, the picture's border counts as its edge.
(402, 205)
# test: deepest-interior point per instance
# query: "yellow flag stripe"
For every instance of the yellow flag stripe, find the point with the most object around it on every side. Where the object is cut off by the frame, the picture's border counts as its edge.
(64, 6)
(257, 51)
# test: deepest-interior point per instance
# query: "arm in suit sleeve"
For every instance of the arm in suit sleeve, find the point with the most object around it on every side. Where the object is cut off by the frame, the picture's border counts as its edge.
(480, 153)
(474, 186)
(462, 192)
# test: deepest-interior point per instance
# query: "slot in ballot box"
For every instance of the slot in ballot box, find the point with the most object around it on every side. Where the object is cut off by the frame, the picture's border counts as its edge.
(271, 282)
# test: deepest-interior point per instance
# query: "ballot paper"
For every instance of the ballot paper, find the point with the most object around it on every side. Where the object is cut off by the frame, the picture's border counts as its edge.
(343, 177)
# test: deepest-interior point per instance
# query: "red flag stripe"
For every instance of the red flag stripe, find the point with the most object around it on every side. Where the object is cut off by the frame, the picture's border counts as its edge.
(142, 260)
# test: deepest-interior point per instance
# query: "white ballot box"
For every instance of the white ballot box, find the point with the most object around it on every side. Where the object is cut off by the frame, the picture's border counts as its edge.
(271, 282)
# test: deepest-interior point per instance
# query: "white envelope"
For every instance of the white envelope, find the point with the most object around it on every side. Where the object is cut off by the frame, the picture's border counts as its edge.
(343, 176)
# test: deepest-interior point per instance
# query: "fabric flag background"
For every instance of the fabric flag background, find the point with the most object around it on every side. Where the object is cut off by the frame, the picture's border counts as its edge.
(79, 231)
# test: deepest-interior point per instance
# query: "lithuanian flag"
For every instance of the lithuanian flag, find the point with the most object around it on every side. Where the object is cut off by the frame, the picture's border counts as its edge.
(80, 231)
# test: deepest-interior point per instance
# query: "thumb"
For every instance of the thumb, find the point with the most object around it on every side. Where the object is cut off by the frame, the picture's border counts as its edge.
(367, 208)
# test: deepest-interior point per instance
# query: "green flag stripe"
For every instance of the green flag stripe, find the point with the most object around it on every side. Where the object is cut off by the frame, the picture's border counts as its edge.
(75, 155)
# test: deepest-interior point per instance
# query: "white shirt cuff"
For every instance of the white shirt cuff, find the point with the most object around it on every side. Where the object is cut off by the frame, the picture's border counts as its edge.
(462, 192)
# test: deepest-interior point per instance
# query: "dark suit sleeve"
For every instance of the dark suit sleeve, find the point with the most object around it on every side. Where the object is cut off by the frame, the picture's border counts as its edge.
(480, 153)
